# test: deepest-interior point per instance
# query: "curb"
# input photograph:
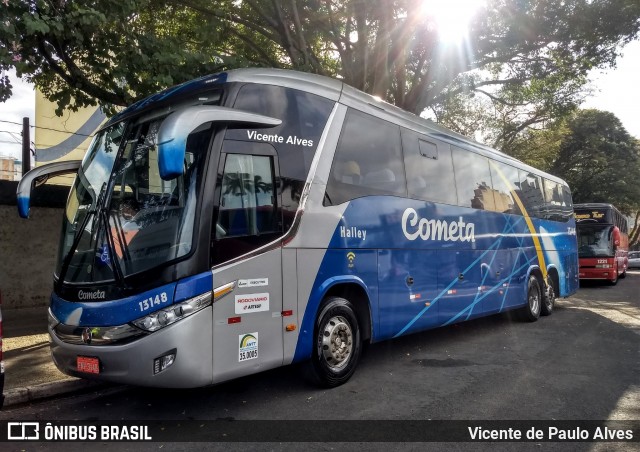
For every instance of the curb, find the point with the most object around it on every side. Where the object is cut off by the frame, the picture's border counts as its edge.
(18, 396)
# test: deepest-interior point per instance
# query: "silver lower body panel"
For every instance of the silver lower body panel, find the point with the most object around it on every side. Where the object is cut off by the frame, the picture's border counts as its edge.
(132, 363)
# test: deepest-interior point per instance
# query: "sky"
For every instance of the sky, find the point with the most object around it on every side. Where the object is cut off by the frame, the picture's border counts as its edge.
(615, 90)
(22, 103)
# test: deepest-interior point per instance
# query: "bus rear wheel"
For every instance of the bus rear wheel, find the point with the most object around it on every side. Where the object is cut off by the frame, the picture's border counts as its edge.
(548, 300)
(337, 343)
(531, 311)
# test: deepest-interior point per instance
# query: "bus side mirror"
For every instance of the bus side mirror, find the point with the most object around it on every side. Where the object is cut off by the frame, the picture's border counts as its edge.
(616, 237)
(39, 176)
(173, 133)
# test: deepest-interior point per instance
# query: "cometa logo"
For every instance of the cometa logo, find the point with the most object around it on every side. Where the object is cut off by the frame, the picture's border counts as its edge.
(95, 295)
(413, 227)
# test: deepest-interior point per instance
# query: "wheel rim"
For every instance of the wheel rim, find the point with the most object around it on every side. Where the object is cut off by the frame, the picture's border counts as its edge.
(551, 297)
(534, 299)
(337, 342)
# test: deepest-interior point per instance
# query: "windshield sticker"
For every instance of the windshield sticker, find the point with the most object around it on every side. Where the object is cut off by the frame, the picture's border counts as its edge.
(256, 302)
(104, 255)
(253, 282)
(248, 346)
(275, 138)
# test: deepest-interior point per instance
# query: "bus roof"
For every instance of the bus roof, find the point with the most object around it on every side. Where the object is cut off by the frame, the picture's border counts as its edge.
(339, 91)
(332, 89)
(594, 205)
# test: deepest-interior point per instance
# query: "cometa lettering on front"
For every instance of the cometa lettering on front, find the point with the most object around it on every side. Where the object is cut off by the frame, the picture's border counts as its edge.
(95, 295)
(413, 227)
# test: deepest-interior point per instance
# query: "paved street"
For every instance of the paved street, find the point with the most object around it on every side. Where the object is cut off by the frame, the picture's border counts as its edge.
(582, 363)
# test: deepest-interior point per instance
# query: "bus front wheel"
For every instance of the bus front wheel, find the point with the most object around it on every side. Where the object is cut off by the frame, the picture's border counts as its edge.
(530, 312)
(337, 343)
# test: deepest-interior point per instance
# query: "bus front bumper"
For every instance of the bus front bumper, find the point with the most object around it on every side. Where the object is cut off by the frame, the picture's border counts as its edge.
(593, 273)
(190, 340)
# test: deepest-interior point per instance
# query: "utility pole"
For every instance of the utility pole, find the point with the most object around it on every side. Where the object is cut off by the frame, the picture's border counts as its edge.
(26, 146)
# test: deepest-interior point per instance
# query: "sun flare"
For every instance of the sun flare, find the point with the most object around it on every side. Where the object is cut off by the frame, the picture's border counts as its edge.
(451, 17)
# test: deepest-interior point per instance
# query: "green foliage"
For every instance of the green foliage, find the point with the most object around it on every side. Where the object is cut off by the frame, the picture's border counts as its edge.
(527, 59)
(594, 153)
(100, 51)
(518, 77)
(540, 147)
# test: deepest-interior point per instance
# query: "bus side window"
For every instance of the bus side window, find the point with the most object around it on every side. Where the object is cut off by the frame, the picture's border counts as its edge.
(368, 160)
(473, 180)
(532, 197)
(505, 180)
(246, 197)
(556, 207)
(568, 202)
(429, 168)
(247, 211)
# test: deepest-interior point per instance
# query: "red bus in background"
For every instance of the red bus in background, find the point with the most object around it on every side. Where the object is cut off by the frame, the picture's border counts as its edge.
(603, 242)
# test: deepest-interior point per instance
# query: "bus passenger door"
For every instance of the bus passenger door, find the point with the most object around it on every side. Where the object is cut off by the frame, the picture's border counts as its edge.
(247, 321)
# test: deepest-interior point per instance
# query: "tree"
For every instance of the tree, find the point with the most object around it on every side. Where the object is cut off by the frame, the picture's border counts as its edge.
(82, 52)
(599, 160)
(516, 51)
(504, 117)
(594, 153)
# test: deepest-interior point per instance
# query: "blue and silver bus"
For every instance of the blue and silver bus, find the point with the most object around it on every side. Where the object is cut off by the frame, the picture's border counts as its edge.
(258, 217)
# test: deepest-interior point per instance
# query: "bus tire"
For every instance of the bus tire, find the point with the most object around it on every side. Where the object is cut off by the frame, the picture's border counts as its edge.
(531, 310)
(614, 281)
(337, 343)
(548, 300)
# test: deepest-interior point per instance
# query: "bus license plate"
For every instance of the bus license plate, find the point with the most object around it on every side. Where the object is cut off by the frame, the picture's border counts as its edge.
(88, 365)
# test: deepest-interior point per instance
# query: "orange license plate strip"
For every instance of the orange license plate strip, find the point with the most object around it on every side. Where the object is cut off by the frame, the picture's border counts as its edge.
(88, 365)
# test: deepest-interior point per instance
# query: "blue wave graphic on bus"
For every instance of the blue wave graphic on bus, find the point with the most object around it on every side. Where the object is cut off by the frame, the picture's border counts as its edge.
(463, 263)
(107, 313)
(119, 312)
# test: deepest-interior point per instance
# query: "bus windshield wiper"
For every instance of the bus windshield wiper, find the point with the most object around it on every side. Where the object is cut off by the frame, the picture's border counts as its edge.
(76, 241)
(78, 236)
(100, 220)
(113, 258)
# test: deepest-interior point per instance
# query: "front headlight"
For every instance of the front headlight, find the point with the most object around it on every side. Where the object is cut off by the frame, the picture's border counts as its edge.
(174, 313)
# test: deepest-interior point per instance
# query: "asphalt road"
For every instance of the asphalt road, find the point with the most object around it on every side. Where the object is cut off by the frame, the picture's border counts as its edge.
(581, 363)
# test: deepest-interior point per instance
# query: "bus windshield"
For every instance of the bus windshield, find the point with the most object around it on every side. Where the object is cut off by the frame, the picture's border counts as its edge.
(121, 217)
(594, 240)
